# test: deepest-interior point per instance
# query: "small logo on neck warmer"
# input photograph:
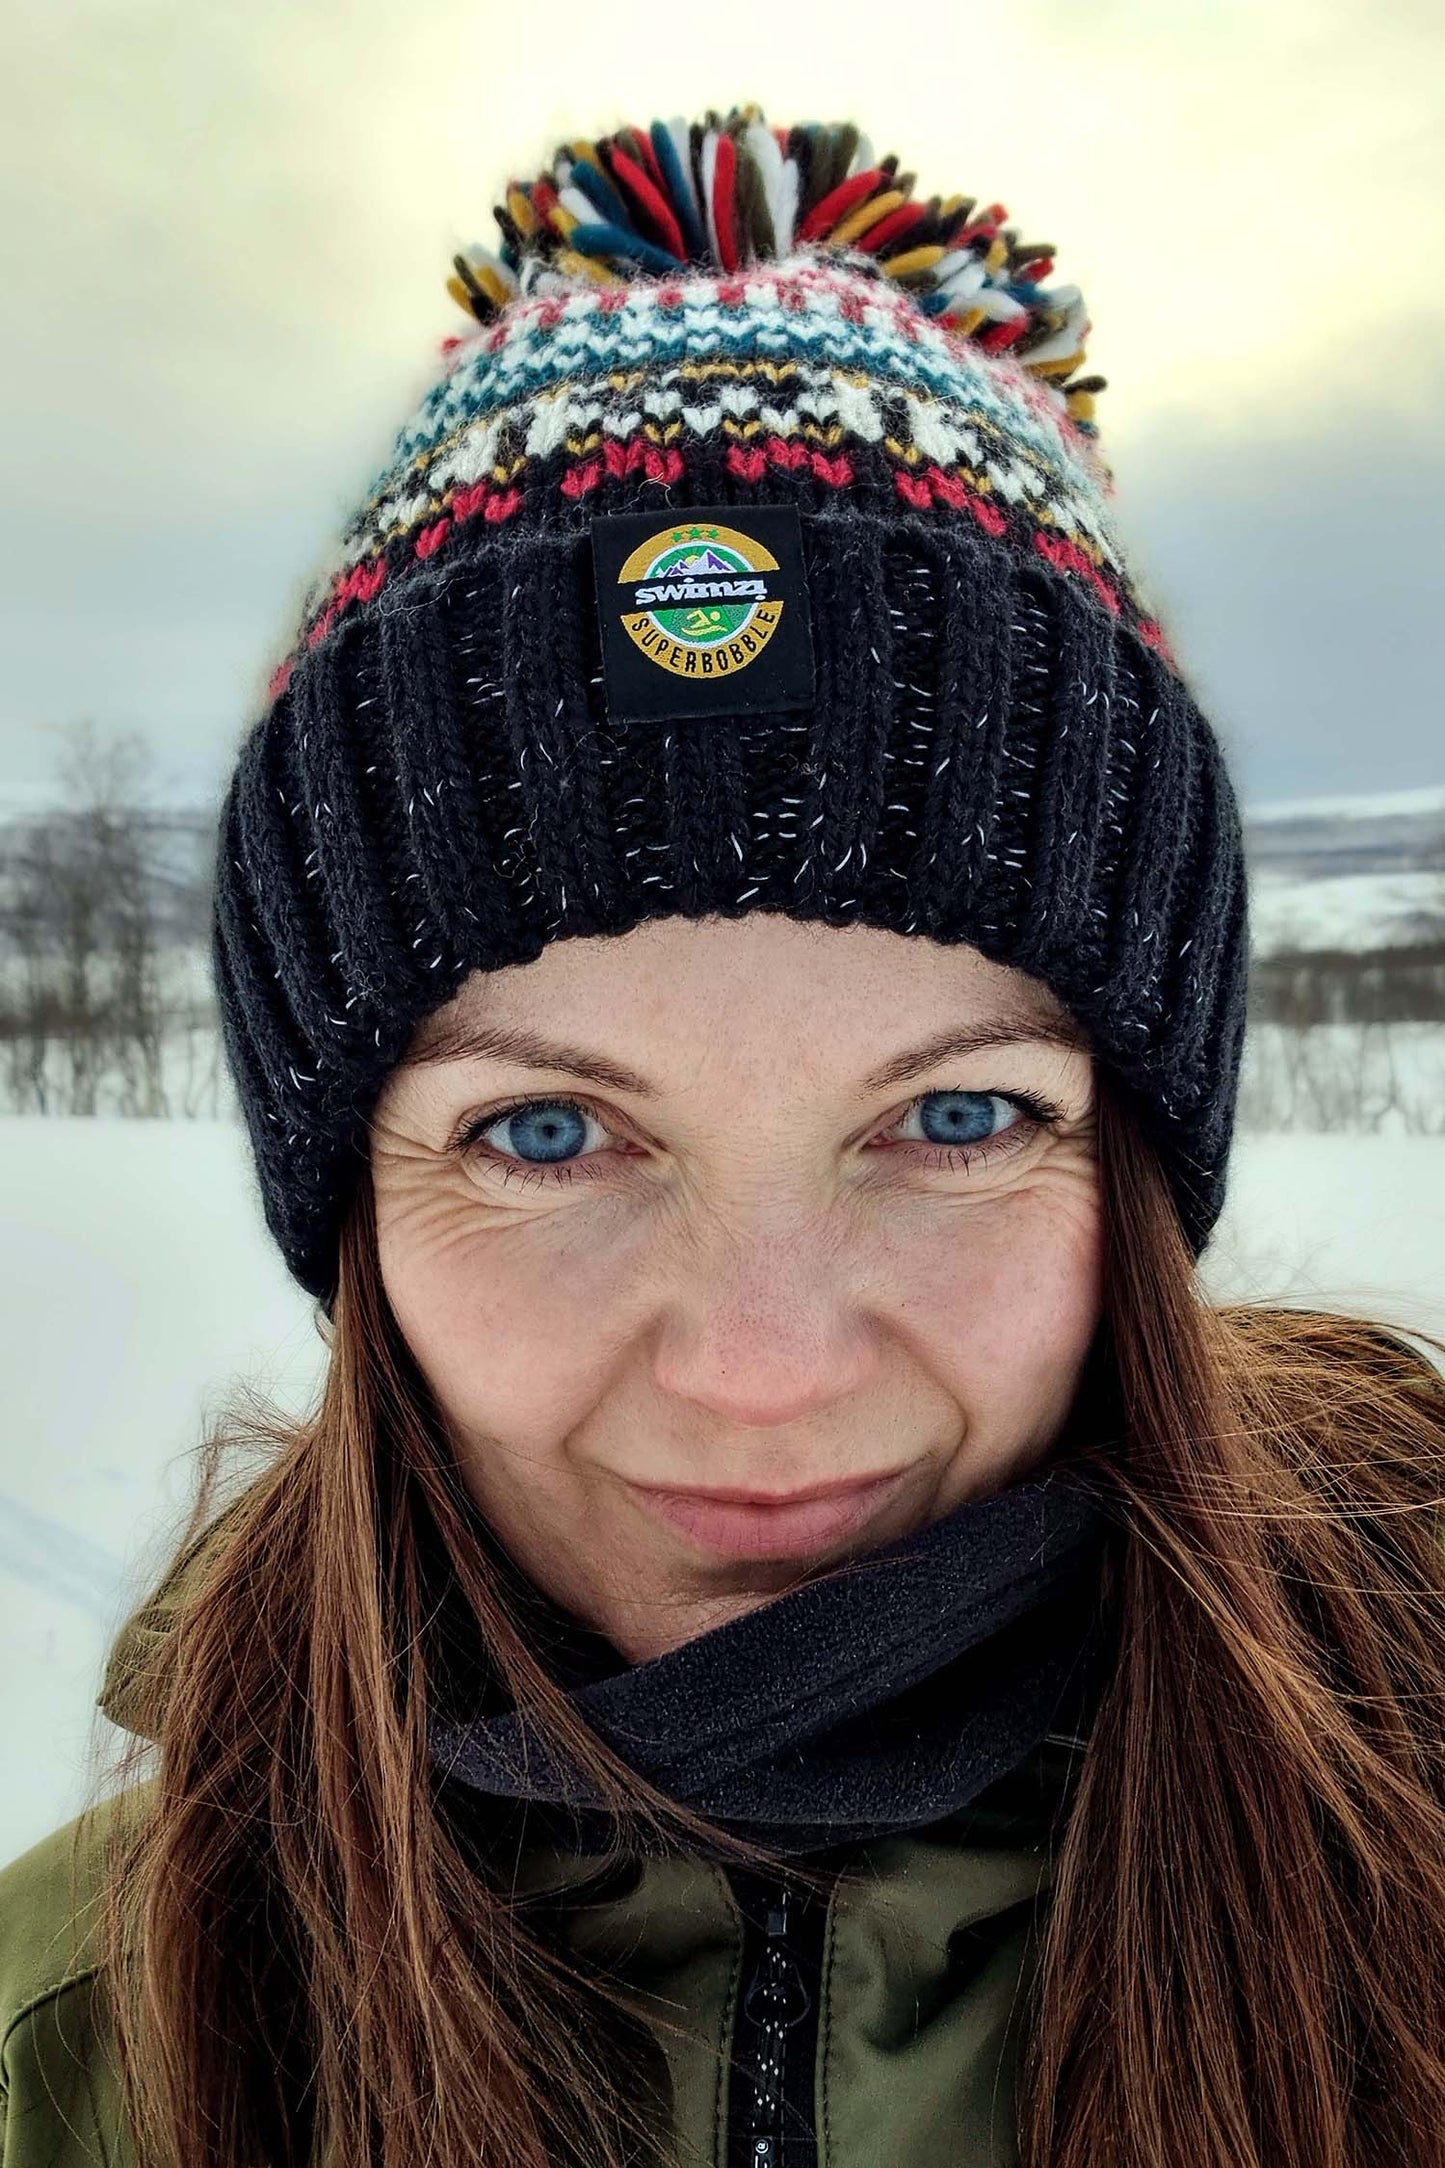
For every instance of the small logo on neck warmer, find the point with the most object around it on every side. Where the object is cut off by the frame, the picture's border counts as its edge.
(702, 616)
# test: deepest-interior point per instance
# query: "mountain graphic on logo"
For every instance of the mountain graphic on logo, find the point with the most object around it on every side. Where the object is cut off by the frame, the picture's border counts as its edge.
(705, 561)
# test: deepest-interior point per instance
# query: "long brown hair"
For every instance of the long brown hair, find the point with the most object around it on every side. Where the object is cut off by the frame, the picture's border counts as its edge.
(316, 1955)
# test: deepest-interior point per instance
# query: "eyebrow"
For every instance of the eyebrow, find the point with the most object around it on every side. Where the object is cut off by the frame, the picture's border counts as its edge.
(453, 1040)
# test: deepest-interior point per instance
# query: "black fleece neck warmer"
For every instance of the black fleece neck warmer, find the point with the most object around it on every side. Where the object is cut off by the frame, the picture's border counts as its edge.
(881, 1696)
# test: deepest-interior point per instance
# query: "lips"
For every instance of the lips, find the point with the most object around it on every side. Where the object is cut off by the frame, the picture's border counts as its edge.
(733, 1523)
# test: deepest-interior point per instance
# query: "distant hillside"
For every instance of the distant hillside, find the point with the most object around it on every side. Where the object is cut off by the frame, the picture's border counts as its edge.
(1346, 874)
(1324, 838)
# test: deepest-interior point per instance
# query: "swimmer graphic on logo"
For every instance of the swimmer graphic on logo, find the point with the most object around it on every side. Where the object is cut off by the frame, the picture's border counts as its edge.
(701, 603)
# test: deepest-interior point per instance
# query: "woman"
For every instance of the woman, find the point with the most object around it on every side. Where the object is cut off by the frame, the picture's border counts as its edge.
(794, 1633)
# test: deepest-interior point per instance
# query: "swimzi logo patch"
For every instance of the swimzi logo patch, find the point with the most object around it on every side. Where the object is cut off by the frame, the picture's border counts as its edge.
(703, 614)
(699, 605)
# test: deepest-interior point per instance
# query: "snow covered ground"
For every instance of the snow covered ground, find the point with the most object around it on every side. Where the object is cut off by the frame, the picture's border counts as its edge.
(1347, 873)
(1357, 912)
(137, 1283)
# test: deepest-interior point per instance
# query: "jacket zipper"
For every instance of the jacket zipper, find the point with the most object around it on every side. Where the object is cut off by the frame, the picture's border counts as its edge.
(771, 2118)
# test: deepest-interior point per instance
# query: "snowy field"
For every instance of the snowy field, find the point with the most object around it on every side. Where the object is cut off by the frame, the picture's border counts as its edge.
(1359, 912)
(137, 1284)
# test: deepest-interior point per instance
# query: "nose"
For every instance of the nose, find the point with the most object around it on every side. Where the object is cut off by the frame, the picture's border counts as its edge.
(764, 1330)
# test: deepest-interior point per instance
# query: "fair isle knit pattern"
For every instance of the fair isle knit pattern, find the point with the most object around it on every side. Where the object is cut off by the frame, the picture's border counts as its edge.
(1002, 751)
(814, 368)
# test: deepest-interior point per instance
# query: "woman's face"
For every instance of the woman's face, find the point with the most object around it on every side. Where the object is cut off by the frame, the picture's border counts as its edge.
(728, 1248)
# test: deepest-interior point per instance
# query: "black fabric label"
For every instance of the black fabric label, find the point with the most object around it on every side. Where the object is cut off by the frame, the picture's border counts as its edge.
(704, 613)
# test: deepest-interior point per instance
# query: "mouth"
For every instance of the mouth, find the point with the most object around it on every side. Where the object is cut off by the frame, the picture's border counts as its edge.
(777, 1524)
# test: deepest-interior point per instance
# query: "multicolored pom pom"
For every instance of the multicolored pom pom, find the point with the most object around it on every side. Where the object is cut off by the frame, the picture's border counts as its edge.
(726, 192)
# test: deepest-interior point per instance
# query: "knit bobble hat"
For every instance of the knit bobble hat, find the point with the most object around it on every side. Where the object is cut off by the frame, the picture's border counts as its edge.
(750, 550)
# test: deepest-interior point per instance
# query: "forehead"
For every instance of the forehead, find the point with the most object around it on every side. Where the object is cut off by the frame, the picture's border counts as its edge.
(761, 980)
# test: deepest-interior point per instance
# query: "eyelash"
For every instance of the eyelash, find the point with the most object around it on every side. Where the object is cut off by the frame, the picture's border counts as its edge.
(1038, 1113)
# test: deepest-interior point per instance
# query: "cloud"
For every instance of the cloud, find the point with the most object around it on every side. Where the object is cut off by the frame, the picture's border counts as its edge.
(1300, 573)
(230, 228)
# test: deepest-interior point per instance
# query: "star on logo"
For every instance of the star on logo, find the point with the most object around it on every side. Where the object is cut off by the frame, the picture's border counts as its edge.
(694, 534)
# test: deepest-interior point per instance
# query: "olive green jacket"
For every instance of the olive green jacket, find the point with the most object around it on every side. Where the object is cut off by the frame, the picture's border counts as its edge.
(920, 1976)
(918, 1972)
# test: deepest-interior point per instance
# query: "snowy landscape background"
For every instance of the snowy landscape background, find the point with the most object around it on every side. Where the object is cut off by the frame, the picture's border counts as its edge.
(228, 237)
(138, 1286)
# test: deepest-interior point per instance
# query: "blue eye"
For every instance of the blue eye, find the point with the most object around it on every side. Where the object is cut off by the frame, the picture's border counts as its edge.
(541, 1133)
(554, 1135)
(961, 1118)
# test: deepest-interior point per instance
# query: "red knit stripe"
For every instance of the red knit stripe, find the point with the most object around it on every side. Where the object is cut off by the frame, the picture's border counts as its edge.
(544, 200)
(656, 206)
(722, 202)
(907, 216)
(643, 139)
(839, 202)
(998, 336)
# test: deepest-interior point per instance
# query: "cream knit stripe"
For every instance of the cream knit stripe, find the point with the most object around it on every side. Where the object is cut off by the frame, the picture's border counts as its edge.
(541, 341)
(948, 436)
(610, 346)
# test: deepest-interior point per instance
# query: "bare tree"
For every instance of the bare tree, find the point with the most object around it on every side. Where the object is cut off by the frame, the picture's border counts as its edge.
(81, 997)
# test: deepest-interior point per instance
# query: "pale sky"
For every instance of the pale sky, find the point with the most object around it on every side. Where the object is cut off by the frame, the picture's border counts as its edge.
(226, 231)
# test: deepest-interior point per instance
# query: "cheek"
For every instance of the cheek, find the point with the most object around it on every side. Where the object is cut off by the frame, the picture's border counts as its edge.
(513, 1326)
(1001, 1303)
